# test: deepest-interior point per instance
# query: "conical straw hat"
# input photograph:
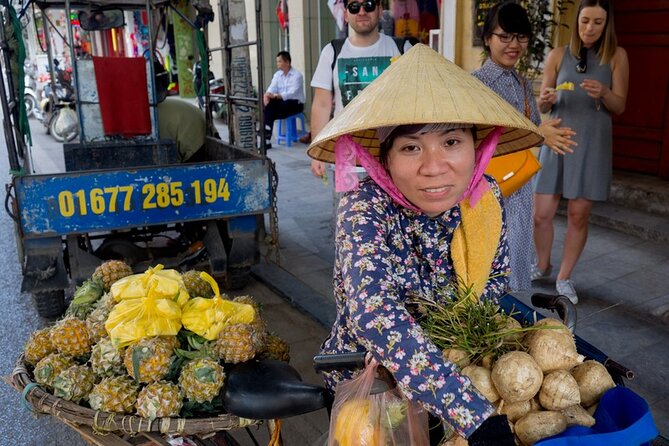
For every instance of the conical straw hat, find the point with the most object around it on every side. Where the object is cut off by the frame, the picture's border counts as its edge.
(424, 87)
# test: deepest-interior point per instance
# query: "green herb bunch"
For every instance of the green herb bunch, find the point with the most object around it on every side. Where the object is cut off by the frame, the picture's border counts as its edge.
(478, 328)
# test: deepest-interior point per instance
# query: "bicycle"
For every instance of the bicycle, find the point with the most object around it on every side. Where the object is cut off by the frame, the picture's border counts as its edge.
(273, 390)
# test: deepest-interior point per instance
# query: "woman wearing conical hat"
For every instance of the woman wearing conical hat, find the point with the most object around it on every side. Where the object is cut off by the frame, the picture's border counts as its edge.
(426, 217)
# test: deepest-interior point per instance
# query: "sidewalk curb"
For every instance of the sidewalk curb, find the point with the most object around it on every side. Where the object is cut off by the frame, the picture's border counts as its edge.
(292, 289)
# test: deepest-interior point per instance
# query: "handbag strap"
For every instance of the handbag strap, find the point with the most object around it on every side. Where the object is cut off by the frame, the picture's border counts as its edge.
(528, 112)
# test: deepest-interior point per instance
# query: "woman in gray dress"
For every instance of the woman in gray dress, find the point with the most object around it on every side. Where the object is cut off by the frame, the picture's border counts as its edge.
(599, 72)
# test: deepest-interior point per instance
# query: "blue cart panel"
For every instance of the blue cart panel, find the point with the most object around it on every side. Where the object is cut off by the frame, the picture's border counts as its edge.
(105, 200)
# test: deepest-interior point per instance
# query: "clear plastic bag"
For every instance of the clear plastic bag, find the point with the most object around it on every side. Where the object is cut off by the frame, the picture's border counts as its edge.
(360, 418)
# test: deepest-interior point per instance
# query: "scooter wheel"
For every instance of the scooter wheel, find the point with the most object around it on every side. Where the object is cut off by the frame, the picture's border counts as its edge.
(31, 104)
(49, 304)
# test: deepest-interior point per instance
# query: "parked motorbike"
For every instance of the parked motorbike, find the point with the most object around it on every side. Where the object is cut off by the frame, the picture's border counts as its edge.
(30, 88)
(58, 110)
(216, 86)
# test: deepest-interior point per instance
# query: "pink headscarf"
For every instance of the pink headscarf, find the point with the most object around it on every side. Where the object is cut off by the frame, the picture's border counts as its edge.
(347, 151)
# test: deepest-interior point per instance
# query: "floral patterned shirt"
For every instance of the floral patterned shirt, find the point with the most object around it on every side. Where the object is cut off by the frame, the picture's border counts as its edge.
(388, 257)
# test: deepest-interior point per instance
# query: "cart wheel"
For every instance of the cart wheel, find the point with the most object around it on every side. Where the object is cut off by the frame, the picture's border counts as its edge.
(50, 304)
(237, 278)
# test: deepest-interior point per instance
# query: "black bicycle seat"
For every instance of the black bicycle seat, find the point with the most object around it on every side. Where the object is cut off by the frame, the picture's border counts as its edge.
(268, 389)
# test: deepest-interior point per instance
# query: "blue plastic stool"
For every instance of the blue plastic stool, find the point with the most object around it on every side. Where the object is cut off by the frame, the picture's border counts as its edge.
(287, 129)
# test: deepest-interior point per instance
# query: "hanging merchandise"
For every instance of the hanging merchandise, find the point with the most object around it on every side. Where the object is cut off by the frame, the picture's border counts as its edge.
(406, 18)
(282, 13)
(337, 10)
(429, 19)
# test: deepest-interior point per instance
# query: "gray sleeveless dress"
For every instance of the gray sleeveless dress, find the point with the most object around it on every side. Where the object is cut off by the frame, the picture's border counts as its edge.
(587, 172)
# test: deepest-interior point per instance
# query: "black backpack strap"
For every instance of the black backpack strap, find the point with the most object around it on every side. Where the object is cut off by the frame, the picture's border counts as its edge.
(337, 45)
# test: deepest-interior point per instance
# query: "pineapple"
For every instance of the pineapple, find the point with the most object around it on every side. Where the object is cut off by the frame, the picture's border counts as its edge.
(48, 368)
(159, 399)
(70, 337)
(153, 356)
(74, 383)
(276, 348)
(111, 271)
(107, 300)
(106, 359)
(117, 394)
(95, 323)
(84, 299)
(38, 346)
(172, 342)
(196, 285)
(238, 343)
(201, 379)
(246, 299)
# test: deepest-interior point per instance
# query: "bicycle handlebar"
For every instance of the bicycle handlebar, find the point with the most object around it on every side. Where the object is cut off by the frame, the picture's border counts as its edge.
(339, 361)
(561, 304)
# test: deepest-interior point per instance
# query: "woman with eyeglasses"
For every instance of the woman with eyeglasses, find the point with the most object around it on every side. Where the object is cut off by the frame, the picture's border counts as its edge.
(598, 71)
(506, 34)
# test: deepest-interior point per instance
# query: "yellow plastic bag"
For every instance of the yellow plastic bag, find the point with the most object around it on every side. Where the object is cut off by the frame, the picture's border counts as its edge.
(163, 283)
(207, 317)
(133, 319)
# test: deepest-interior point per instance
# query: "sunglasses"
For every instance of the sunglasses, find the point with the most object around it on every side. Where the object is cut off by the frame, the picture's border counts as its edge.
(582, 65)
(368, 6)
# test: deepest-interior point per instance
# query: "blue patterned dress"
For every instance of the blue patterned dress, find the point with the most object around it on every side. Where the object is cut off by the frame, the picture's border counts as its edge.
(519, 206)
(388, 257)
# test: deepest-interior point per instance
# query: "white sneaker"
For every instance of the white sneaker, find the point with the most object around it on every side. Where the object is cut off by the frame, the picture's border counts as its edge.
(540, 274)
(566, 288)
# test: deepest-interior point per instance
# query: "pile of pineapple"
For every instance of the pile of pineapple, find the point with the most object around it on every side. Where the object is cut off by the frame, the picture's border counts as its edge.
(162, 376)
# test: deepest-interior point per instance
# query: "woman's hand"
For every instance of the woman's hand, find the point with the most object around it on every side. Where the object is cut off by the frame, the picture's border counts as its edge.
(495, 431)
(547, 99)
(558, 139)
(317, 168)
(595, 89)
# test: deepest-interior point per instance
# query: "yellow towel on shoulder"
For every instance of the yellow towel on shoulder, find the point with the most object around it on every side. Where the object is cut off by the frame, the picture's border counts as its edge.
(476, 240)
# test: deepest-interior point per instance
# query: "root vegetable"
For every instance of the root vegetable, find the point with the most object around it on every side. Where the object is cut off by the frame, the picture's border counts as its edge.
(538, 425)
(577, 416)
(507, 323)
(593, 380)
(540, 327)
(456, 440)
(457, 357)
(487, 361)
(480, 377)
(559, 391)
(535, 406)
(553, 348)
(514, 411)
(516, 376)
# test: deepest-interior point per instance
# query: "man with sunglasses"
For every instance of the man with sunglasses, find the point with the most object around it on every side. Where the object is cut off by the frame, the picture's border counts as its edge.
(362, 58)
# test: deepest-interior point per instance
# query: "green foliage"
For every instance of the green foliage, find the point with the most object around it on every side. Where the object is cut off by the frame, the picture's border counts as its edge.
(463, 322)
(544, 27)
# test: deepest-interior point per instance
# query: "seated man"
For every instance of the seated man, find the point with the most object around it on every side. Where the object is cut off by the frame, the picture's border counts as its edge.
(284, 96)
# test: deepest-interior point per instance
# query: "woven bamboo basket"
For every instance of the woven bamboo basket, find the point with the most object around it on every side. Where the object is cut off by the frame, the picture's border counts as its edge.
(71, 413)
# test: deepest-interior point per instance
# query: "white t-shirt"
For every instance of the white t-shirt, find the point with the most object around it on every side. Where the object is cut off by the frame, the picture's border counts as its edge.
(356, 67)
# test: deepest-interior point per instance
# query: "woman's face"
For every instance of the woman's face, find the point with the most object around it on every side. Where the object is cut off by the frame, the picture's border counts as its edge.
(591, 24)
(505, 54)
(433, 169)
